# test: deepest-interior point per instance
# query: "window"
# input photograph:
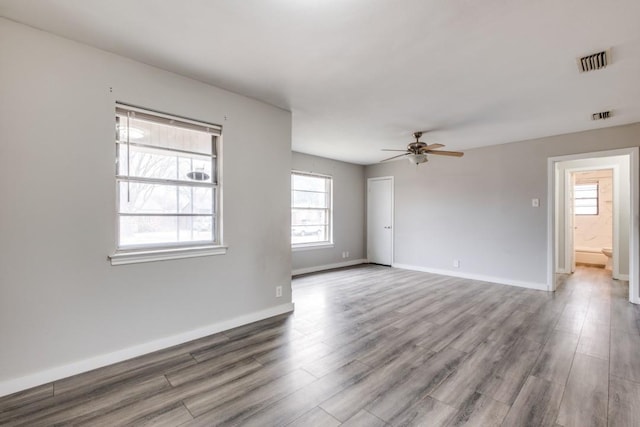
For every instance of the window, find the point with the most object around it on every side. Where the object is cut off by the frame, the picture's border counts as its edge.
(586, 199)
(167, 181)
(310, 209)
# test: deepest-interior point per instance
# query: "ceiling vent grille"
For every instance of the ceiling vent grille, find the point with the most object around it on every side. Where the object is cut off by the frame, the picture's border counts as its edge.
(601, 115)
(595, 61)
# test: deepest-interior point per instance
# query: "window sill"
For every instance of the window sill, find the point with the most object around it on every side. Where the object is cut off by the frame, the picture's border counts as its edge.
(134, 257)
(311, 246)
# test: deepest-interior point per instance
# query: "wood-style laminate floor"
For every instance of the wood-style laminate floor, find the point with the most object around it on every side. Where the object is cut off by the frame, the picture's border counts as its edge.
(375, 346)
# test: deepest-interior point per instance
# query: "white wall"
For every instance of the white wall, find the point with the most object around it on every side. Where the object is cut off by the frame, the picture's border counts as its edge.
(348, 213)
(478, 208)
(61, 302)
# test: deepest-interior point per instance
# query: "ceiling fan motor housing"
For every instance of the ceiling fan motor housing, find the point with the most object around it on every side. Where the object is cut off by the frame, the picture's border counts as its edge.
(415, 147)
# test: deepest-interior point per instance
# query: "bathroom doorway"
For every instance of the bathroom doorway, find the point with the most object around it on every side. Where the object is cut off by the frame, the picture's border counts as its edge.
(592, 210)
(568, 245)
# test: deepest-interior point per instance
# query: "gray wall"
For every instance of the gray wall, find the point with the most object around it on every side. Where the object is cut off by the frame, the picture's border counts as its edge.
(478, 208)
(348, 212)
(61, 301)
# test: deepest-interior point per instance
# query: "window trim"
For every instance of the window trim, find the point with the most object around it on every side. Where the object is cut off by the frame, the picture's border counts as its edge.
(295, 247)
(301, 247)
(138, 256)
(167, 251)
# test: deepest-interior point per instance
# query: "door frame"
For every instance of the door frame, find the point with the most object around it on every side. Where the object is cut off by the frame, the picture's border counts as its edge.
(393, 212)
(569, 250)
(634, 238)
(569, 226)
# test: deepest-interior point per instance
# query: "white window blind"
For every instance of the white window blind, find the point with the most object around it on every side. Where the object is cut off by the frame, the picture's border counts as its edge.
(166, 180)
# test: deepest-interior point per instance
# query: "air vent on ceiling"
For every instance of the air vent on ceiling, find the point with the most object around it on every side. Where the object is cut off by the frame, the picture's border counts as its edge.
(601, 115)
(595, 61)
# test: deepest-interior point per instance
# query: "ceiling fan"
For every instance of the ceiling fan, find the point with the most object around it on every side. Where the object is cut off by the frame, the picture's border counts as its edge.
(417, 151)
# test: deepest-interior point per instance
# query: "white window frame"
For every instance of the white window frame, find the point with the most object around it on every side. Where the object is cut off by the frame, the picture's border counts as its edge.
(325, 243)
(128, 254)
(576, 190)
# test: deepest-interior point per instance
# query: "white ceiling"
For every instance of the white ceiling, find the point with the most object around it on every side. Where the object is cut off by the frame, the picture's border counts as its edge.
(361, 75)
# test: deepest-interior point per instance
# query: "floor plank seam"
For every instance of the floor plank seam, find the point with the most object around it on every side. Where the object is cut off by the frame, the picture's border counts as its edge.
(564, 386)
(310, 373)
(631, 380)
(185, 407)
(193, 357)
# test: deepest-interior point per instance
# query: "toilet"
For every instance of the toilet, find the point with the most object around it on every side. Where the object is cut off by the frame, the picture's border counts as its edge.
(608, 252)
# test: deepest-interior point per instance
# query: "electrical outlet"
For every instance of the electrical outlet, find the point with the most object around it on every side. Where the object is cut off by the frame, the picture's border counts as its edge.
(535, 203)
(456, 263)
(278, 291)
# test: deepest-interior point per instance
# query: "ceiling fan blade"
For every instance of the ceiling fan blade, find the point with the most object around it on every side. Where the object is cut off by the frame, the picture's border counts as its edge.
(431, 147)
(446, 153)
(394, 157)
(389, 149)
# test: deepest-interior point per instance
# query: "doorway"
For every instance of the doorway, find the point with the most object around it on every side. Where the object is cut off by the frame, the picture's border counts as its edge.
(591, 214)
(380, 220)
(562, 173)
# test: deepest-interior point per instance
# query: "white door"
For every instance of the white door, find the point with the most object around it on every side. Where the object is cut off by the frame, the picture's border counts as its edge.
(380, 220)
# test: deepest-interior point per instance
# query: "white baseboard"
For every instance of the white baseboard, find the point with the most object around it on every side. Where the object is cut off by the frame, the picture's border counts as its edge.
(59, 372)
(483, 278)
(622, 277)
(328, 266)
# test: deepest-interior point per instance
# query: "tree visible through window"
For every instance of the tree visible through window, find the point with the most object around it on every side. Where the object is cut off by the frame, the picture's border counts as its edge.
(586, 199)
(166, 180)
(310, 209)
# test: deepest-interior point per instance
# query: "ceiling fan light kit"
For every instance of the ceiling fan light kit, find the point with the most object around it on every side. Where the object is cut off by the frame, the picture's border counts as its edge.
(417, 151)
(416, 159)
